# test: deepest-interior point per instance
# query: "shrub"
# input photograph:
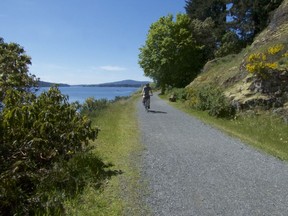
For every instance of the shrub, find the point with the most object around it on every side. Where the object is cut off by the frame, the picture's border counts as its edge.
(179, 93)
(211, 99)
(92, 107)
(38, 134)
(118, 98)
(40, 137)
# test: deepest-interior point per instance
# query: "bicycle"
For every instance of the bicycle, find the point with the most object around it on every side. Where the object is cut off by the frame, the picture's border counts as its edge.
(146, 102)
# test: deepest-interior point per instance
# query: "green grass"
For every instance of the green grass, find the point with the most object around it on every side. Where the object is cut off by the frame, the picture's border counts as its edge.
(118, 143)
(261, 130)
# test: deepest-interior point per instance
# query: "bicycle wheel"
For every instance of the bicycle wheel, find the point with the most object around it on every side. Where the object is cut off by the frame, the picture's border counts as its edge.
(146, 104)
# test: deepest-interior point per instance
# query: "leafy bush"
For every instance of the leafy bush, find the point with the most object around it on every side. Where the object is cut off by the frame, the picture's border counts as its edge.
(179, 93)
(38, 134)
(44, 149)
(118, 98)
(211, 99)
(92, 107)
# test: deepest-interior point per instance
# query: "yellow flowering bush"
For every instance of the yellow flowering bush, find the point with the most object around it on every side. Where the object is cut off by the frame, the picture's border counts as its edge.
(263, 63)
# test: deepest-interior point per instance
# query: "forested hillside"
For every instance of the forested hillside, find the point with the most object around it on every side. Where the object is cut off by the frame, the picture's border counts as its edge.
(258, 75)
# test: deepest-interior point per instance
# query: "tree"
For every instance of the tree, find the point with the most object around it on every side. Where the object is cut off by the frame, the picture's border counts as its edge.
(250, 17)
(203, 9)
(216, 10)
(230, 44)
(201, 31)
(241, 18)
(14, 69)
(170, 55)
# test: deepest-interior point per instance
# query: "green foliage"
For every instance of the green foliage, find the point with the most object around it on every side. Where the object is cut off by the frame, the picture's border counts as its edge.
(44, 143)
(211, 99)
(14, 70)
(179, 93)
(246, 18)
(204, 12)
(119, 98)
(204, 36)
(251, 17)
(92, 107)
(203, 9)
(230, 44)
(170, 55)
(37, 135)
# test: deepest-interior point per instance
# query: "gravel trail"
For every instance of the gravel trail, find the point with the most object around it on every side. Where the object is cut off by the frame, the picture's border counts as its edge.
(194, 169)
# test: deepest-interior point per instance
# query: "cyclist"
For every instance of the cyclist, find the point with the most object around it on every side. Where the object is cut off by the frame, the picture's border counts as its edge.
(147, 92)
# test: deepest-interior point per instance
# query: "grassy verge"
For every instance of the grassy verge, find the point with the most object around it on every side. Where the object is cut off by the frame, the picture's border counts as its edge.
(118, 143)
(261, 130)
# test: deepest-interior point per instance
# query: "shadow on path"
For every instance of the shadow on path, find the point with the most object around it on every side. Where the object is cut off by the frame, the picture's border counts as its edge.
(157, 111)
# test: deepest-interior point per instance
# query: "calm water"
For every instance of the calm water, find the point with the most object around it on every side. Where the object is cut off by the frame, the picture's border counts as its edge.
(82, 93)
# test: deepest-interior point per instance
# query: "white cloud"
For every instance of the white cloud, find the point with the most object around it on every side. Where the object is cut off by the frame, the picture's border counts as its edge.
(112, 68)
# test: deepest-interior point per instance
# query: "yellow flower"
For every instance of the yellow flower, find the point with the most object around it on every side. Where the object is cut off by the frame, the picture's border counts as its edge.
(275, 49)
(285, 54)
(263, 57)
(251, 68)
(272, 65)
(253, 57)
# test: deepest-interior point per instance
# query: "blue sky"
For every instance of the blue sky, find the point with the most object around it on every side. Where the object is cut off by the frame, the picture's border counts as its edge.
(83, 41)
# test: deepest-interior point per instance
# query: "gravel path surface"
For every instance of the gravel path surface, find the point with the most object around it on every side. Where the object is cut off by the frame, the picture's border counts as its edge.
(194, 169)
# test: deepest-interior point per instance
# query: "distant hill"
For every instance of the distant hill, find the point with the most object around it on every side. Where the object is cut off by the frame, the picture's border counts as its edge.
(48, 84)
(123, 83)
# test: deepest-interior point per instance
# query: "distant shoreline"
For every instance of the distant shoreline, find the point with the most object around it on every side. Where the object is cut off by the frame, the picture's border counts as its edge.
(124, 83)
